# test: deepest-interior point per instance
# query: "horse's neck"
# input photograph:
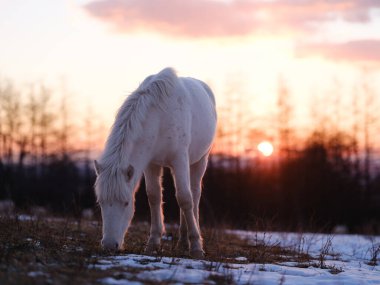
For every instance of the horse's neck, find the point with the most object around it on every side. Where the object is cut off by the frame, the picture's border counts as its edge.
(140, 150)
(136, 156)
(138, 159)
(127, 146)
(119, 151)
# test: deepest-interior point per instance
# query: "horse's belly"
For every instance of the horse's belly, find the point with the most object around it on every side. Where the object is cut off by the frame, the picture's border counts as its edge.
(196, 143)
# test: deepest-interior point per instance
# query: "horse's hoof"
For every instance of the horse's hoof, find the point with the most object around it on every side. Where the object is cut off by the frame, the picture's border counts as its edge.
(152, 249)
(197, 254)
(182, 246)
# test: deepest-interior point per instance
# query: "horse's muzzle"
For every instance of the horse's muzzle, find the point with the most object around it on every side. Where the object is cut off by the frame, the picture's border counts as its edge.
(110, 244)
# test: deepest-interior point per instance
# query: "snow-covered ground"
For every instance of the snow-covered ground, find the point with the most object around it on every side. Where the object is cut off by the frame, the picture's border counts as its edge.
(346, 260)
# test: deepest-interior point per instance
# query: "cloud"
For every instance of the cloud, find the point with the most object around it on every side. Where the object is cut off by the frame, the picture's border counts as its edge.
(225, 18)
(353, 51)
(177, 17)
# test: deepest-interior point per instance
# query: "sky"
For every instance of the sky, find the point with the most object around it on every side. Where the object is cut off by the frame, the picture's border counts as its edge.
(241, 48)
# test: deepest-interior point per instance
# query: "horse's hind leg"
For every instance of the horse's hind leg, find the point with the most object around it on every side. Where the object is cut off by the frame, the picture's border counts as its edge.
(183, 241)
(153, 189)
(197, 170)
(181, 172)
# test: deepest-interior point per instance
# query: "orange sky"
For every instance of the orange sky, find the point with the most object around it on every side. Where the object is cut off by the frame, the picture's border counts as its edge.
(242, 48)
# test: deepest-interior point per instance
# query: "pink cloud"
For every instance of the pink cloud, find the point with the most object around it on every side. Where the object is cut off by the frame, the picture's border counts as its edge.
(216, 18)
(359, 51)
(176, 17)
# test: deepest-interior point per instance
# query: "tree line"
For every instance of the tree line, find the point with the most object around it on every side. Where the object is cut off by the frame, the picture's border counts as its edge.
(43, 160)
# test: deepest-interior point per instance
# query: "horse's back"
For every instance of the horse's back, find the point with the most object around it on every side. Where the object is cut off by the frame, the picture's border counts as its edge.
(199, 88)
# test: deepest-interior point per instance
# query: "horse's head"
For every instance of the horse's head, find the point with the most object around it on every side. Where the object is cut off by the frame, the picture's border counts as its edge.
(114, 191)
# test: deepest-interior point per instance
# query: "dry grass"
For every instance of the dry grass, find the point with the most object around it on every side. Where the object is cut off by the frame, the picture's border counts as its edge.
(56, 251)
(62, 251)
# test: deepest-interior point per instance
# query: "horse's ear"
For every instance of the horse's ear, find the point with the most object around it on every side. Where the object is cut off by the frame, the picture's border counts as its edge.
(98, 167)
(128, 173)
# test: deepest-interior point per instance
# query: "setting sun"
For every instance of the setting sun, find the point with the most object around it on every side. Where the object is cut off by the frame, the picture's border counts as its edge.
(266, 148)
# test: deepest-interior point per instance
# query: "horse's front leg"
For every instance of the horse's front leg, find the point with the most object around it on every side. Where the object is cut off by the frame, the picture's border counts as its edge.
(154, 193)
(181, 172)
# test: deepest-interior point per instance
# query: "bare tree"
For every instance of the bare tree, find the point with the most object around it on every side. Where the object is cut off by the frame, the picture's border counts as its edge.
(285, 112)
(355, 132)
(369, 121)
(10, 107)
(45, 122)
(89, 132)
(65, 126)
(31, 111)
(2, 130)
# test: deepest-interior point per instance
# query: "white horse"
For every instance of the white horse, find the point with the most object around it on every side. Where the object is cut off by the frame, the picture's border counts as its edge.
(168, 121)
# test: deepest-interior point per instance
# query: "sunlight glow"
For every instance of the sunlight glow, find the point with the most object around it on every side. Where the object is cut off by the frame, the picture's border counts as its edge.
(266, 148)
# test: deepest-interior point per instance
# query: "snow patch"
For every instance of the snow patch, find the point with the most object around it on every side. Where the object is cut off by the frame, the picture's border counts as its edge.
(113, 281)
(346, 262)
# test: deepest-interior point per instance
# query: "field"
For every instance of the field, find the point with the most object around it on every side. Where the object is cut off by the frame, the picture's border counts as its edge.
(56, 250)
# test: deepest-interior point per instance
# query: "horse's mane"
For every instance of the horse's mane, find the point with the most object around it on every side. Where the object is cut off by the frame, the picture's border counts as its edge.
(128, 125)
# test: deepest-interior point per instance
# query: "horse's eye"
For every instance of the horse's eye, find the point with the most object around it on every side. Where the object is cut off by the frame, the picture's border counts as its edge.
(126, 204)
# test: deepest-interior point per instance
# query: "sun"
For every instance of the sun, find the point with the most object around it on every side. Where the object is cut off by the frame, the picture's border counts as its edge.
(266, 148)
